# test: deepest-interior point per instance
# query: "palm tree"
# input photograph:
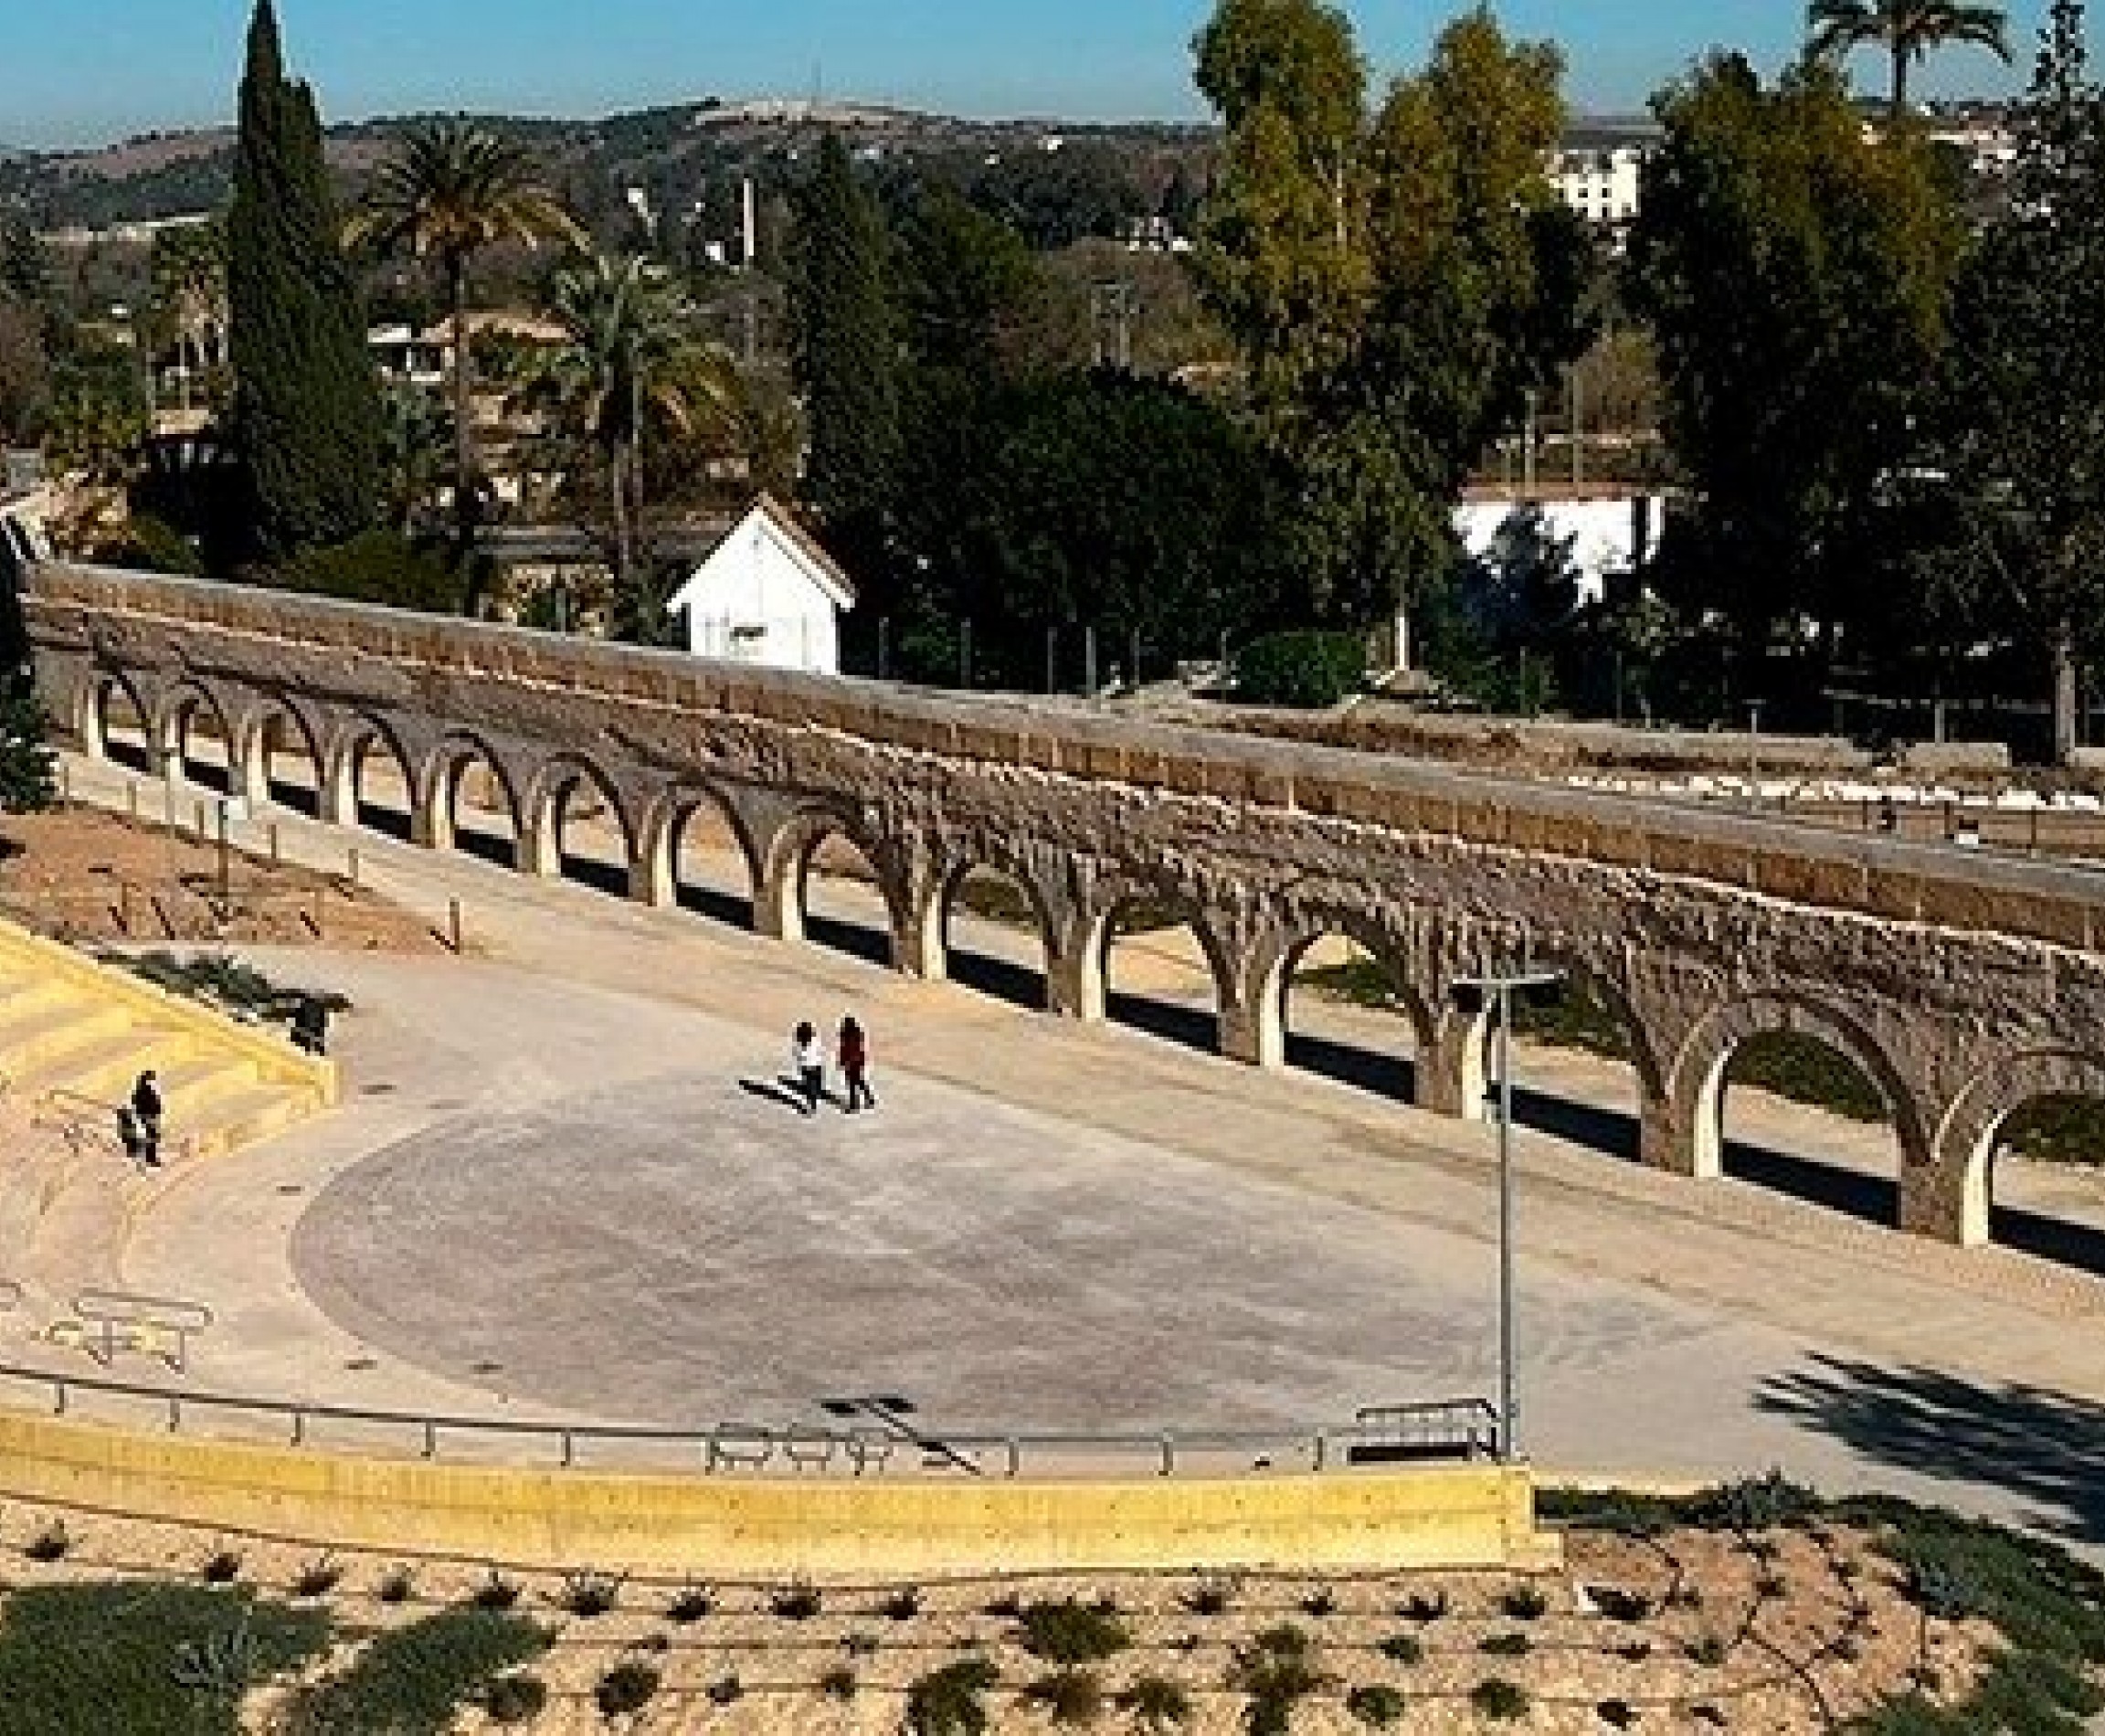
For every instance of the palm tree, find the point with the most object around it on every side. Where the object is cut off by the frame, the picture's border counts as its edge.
(448, 190)
(1907, 29)
(189, 271)
(631, 358)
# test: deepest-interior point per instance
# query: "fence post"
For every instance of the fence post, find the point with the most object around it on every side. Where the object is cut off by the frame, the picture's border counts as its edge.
(453, 924)
(2034, 845)
(131, 798)
(353, 854)
(124, 907)
(277, 861)
(200, 818)
(318, 917)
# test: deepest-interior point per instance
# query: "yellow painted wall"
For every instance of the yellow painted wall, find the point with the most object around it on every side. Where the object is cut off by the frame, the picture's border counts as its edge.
(1468, 1515)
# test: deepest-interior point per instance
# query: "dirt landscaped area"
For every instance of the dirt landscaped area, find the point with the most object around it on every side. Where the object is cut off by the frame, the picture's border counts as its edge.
(1738, 1611)
(91, 878)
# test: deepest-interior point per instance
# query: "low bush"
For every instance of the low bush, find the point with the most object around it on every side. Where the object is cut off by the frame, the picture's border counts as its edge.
(414, 1681)
(1308, 670)
(222, 1567)
(837, 1683)
(1320, 1604)
(398, 1585)
(516, 1699)
(796, 1602)
(1508, 1645)
(951, 1702)
(1406, 1650)
(1707, 1649)
(1499, 1700)
(901, 1605)
(727, 1690)
(1525, 1604)
(97, 1659)
(495, 1594)
(50, 1544)
(590, 1595)
(1377, 1705)
(1071, 1633)
(1073, 1698)
(690, 1603)
(1156, 1705)
(1210, 1597)
(319, 1577)
(1422, 1609)
(629, 1687)
(1275, 1672)
(380, 567)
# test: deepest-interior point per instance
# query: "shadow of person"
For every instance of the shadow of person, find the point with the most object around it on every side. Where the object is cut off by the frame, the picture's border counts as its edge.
(784, 1091)
(2044, 1446)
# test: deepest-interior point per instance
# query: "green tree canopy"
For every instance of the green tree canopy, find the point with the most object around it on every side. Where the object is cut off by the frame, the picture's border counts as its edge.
(1796, 276)
(306, 403)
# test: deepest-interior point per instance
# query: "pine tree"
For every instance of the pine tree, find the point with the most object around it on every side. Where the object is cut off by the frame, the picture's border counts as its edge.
(306, 408)
(28, 769)
(844, 346)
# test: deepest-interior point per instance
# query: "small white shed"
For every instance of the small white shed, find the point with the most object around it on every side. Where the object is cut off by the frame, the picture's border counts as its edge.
(768, 594)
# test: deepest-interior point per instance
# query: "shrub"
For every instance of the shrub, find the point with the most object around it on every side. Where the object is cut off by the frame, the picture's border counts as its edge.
(951, 1702)
(1422, 1609)
(796, 1602)
(1707, 1649)
(1757, 1504)
(901, 1605)
(49, 1544)
(1320, 1602)
(1307, 670)
(398, 1585)
(860, 1644)
(414, 1681)
(496, 1593)
(1376, 1704)
(151, 544)
(1210, 1597)
(837, 1683)
(1525, 1604)
(727, 1690)
(1618, 1605)
(1156, 1705)
(1617, 1714)
(590, 1595)
(1406, 1650)
(1501, 1701)
(690, 1603)
(1070, 1634)
(318, 1578)
(1276, 1671)
(516, 1699)
(222, 1567)
(629, 1687)
(381, 568)
(1509, 1645)
(1073, 1698)
(98, 1659)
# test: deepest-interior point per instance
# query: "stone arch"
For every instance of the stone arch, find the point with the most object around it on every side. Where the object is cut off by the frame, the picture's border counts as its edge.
(436, 824)
(1697, 1084)
(665, 823)
(254, 746)
(1089, 956)
(174, 717)
(1958, 1204)
(1270, 980)
(1002, 979)
(541, 813)
(91, 718)
(345, 798)
(786, 868)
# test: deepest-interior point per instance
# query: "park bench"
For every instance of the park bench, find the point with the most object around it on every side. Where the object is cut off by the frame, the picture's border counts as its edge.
(107, 1321)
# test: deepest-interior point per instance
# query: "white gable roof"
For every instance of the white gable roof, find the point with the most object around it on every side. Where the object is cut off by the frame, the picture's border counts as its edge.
(770, 521)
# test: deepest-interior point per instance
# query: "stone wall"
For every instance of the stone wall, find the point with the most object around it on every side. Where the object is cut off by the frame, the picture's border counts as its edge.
(1957, 981)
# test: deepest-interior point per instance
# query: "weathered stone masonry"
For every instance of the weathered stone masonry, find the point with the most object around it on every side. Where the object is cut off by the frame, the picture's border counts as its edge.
(1964, 986)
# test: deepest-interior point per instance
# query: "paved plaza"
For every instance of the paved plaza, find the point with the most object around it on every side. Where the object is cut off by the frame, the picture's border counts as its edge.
(564, 1185)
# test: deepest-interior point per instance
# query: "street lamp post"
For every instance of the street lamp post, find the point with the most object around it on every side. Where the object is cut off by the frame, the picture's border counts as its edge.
(1497, 988)
(1754, 755)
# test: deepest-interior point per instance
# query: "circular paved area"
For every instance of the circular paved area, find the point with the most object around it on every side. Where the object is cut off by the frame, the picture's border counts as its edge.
(684, 1251)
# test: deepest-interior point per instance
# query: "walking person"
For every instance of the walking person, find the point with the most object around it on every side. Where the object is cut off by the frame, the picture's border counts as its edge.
(853, 1050)
(146, 1112)
(810, 1061)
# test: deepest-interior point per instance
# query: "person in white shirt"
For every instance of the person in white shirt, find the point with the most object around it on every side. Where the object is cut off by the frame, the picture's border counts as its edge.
(809, 1059)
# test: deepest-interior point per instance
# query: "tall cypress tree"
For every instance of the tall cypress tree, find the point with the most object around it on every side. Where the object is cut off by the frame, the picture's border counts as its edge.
(844, 346)
(306, 405)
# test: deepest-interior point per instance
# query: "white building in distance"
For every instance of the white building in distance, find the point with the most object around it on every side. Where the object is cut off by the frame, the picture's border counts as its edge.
(1602, 185)
(768, 595)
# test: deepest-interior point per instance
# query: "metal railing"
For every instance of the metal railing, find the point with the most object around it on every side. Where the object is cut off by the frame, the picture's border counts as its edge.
(1458, 1431)
(157, 1326)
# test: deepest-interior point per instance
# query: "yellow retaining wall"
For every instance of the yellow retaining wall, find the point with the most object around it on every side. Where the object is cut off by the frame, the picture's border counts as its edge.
(1461, 1515)
(277, 1062)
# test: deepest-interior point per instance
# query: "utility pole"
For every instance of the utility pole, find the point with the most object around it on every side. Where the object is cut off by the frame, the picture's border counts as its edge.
(1111, 311)
(1527, 451)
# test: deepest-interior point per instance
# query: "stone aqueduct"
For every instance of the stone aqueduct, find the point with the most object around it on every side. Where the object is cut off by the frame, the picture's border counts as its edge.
(1964, 987)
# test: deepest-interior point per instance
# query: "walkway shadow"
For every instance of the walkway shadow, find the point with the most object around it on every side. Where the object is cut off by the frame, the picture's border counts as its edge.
(389, 822)
(725, 907)
(1384, 1074)
(2081, 1245)
(1194, 1027)
(1873, 1198)
(2044, 1446)
(873, 946)
(609, 877)
(299, 799)
(997, 979)
(1611, 1131)
(486, 846)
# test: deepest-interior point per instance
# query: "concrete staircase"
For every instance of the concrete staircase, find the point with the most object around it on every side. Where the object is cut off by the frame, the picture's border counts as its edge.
(74, 1035)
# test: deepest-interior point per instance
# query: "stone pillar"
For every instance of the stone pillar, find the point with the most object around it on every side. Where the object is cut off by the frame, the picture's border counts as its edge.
(431, 825)
(1450, 1075)
(918, 944)
(651, 878)
(539, 851)
(1667, 1139)
(779, 899)
(336, 802)
(1947, 1201)
(1074, 976)
(251, 778)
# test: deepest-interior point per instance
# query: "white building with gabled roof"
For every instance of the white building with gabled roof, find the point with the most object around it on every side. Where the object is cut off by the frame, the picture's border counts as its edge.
(768, 595)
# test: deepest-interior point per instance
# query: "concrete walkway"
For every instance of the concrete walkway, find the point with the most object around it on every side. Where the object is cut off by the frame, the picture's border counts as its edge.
(550, 1194)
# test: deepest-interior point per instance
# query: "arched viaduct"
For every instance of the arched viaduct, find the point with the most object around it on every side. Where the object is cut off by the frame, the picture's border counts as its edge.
(1962, 987)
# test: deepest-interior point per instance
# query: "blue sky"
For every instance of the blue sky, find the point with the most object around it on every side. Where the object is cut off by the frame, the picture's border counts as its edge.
(76, 71)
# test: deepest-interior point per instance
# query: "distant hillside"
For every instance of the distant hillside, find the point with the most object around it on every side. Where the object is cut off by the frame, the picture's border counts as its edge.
(680, 157)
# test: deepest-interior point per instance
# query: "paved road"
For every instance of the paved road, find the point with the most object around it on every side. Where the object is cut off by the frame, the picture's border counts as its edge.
(551, 1192)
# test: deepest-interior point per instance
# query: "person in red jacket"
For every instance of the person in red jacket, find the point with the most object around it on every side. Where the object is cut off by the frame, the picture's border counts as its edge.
(852, 1051)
